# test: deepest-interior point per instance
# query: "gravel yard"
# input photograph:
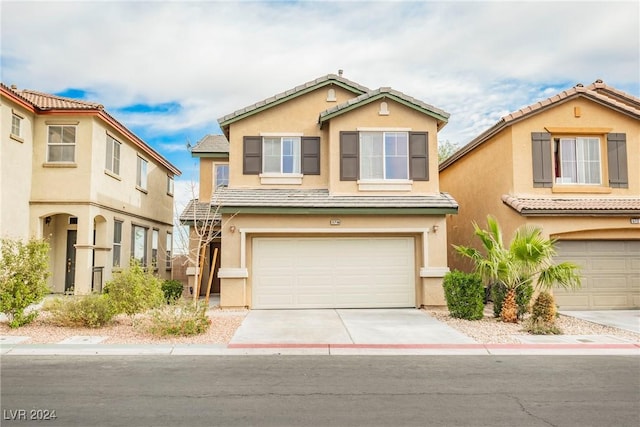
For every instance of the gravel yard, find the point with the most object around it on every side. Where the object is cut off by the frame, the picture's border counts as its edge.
(225, 322)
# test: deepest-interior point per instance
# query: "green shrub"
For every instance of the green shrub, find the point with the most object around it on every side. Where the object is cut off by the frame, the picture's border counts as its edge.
(464, 294)
(134, 290)
(183, 319)
(523, 298)
(91, 311)
(24, 268)
(172, 290)
(540, 327)
(544, 308)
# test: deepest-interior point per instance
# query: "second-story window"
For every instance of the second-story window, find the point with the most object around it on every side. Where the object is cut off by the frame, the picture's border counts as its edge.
(61, 144)
(281, 155)
(141, 173)
(113, 156)
(577, 160)
(222, 176)
(384, 155)
(170, 185)
(16, 125)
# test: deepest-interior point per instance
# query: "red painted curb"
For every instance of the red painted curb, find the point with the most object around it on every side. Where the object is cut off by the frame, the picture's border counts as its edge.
(545, 346)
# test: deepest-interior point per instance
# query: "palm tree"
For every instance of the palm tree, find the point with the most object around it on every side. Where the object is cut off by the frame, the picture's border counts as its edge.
(527, 259)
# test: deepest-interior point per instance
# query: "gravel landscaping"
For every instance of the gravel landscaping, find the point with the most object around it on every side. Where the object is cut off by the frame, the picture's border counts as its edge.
(225, 322)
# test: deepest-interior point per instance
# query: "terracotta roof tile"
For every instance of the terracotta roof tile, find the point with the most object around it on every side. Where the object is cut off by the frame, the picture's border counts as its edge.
(568, 206)
(45, 101)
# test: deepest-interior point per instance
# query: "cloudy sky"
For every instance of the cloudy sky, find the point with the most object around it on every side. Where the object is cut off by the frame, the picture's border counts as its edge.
(169, 70)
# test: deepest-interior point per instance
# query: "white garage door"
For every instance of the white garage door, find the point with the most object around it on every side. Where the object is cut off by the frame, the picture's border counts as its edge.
(347, 272)
(610, 274)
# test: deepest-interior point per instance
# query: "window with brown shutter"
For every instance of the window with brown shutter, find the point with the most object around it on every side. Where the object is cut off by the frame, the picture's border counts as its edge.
(419, 156)
(541, 157)
(617, 155)
(252, 155)
(311, 155)
(349, 156)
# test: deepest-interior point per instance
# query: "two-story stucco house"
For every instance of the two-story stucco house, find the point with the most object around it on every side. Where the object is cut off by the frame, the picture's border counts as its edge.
(569, 164)
(74, 175)
(332, 200)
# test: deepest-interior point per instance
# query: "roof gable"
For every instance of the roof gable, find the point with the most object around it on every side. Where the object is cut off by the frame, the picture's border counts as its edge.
(383, 93)
(598, 92)
(211, 146)
(285, 96)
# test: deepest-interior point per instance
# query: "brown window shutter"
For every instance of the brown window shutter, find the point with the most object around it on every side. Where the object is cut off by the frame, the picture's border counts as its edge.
(349, 156)
(617, 153)
(252, 155)
(311, 155)
(419, 156)
(541, 156)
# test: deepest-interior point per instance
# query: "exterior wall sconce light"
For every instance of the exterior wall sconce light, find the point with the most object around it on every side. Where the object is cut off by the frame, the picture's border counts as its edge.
(232, 228)
(47, 220)
(435, 228)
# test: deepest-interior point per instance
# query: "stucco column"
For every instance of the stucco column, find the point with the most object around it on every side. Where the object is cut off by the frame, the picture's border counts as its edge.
(84, 255)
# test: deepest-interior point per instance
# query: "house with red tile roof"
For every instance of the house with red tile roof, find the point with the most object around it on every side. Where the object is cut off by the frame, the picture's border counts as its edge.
(569, 164)
(74, 175)
(332, 200)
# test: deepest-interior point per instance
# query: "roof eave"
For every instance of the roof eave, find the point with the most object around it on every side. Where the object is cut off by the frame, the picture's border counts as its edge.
(281, 210)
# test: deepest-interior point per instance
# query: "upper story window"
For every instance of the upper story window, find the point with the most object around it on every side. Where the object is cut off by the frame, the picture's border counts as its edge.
(61, 143)
(222, 176)
(577, 160)
(384, 155)
(281, 155)
(170, 185)
(16, 125)
(112, 163)
(141, 173)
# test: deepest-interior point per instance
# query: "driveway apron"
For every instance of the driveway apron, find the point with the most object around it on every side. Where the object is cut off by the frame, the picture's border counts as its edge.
(345, 326)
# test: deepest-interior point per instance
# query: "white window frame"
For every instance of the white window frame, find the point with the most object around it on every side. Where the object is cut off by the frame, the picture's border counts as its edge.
(225, 178)
(169, 251)
(155, 237)
(117, 242)
(142, 170)
(170, 185)
(578, 163)
(114, 149)
(383, 156)
(51, 145)
(134, 244)
(16, 125)
(296, 154)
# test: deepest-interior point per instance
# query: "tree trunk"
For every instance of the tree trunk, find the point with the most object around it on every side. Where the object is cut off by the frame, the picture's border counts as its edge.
(509, 312)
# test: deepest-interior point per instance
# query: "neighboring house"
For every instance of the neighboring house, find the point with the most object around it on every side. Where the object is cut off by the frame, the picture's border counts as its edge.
(74, 175)
(571, 165)
(332, 200)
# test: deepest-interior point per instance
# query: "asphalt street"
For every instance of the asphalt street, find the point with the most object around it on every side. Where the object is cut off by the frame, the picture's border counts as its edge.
(320, 391)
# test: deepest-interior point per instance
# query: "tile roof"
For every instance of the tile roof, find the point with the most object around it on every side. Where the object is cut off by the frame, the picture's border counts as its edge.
(298, 90)
(568, 206)
(45, 101)
(212, 144)
(201, 211)
(382, 92)
(597, 92)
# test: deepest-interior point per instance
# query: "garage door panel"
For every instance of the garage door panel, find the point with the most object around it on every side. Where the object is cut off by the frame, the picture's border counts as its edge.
(611, 274)
(333, 272)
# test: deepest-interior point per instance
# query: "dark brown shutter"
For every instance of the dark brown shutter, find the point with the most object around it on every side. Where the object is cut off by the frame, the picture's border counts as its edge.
(617, 152)
(541, 155)
(311, 155)
(252, 155)
(349, 156)
(419, 156)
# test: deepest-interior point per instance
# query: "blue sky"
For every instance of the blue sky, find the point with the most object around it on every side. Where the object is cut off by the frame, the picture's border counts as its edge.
(169, 70)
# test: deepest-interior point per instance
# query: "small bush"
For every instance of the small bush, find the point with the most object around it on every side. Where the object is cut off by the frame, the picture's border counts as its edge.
(24, 268)
(540, 327)
(91, 311)
(523, 298)
(464, 294)
(544, 308)
(184, 319)
(134, 290)
(172, 290)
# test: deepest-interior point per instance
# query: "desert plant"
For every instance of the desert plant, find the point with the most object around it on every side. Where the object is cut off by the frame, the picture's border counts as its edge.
(523, 298)
(91, 311)
(527, 260)
(172, 290)
(464, 294)
(540, 327)
(134, 290)
(182, 319)
(23, 278)
(544, 308)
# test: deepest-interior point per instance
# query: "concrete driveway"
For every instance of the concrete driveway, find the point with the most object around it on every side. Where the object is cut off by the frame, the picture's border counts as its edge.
(345, 326)
(628, 320)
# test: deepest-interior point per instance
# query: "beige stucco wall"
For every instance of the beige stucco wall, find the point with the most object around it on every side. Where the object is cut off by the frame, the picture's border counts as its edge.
(430, 255)
(15, 171)
(206, 186)
(503, 165)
